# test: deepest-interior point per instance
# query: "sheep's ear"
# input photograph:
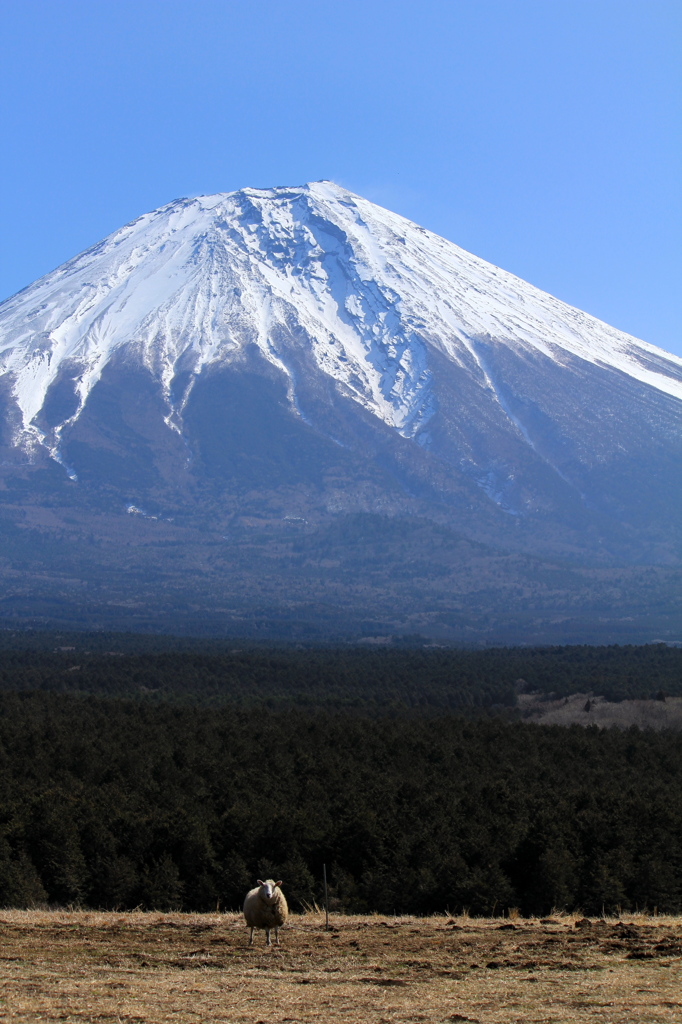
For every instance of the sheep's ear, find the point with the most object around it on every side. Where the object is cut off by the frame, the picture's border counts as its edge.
(277, 884)
(260, 882)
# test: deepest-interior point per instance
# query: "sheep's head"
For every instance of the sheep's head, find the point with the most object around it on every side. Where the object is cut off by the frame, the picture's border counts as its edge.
(267, 889)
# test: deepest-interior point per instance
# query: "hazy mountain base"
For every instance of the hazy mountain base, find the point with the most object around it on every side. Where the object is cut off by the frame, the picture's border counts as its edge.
(351, 576)
(255, 523)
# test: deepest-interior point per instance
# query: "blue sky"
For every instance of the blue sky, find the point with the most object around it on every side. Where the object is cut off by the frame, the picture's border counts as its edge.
(542, 135)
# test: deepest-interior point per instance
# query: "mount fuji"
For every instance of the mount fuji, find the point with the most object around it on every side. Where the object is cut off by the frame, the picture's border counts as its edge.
(291, 412)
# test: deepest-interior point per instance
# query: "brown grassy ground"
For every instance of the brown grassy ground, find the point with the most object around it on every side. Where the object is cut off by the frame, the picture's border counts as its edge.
(135, 967)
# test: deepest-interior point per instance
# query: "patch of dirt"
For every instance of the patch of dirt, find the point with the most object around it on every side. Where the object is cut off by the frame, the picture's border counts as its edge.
(150, 968)
(585, 709)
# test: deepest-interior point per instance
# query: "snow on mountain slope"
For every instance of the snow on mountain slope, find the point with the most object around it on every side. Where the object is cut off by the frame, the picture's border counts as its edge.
(193, 283)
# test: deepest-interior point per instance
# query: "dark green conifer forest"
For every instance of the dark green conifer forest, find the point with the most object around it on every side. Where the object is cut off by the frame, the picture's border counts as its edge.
(172, 778)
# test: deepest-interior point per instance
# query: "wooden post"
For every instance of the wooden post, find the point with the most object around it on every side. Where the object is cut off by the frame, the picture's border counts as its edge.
(326, 901)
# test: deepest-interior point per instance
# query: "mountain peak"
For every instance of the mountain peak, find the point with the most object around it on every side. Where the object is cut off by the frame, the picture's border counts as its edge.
(310, 276)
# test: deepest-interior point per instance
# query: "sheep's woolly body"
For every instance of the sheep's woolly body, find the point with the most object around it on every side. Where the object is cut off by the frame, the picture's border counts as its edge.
(266, 907)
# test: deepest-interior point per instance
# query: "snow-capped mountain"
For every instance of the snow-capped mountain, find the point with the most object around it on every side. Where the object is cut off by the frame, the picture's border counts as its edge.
(195, 282)
(302, 353)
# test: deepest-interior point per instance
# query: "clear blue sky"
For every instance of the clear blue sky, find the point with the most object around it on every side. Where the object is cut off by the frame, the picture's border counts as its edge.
(542, 135)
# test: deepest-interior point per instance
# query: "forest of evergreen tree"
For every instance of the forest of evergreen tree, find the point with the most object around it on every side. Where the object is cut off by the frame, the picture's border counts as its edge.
(173, 779)
(160, 669)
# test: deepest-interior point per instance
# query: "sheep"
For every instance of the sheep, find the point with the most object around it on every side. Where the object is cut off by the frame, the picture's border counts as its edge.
(266, 907)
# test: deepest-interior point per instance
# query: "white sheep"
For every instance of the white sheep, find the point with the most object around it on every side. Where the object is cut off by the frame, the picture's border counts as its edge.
(266, 907)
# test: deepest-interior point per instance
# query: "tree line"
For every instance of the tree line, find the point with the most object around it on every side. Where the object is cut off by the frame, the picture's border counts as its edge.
(404, 678)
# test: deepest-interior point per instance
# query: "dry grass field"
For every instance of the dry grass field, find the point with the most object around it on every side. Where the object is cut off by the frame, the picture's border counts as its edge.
(152, 967)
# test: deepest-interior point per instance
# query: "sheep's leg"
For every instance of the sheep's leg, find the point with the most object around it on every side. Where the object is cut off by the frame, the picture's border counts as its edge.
(251, 938)
(276, 936)
(267, 937)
